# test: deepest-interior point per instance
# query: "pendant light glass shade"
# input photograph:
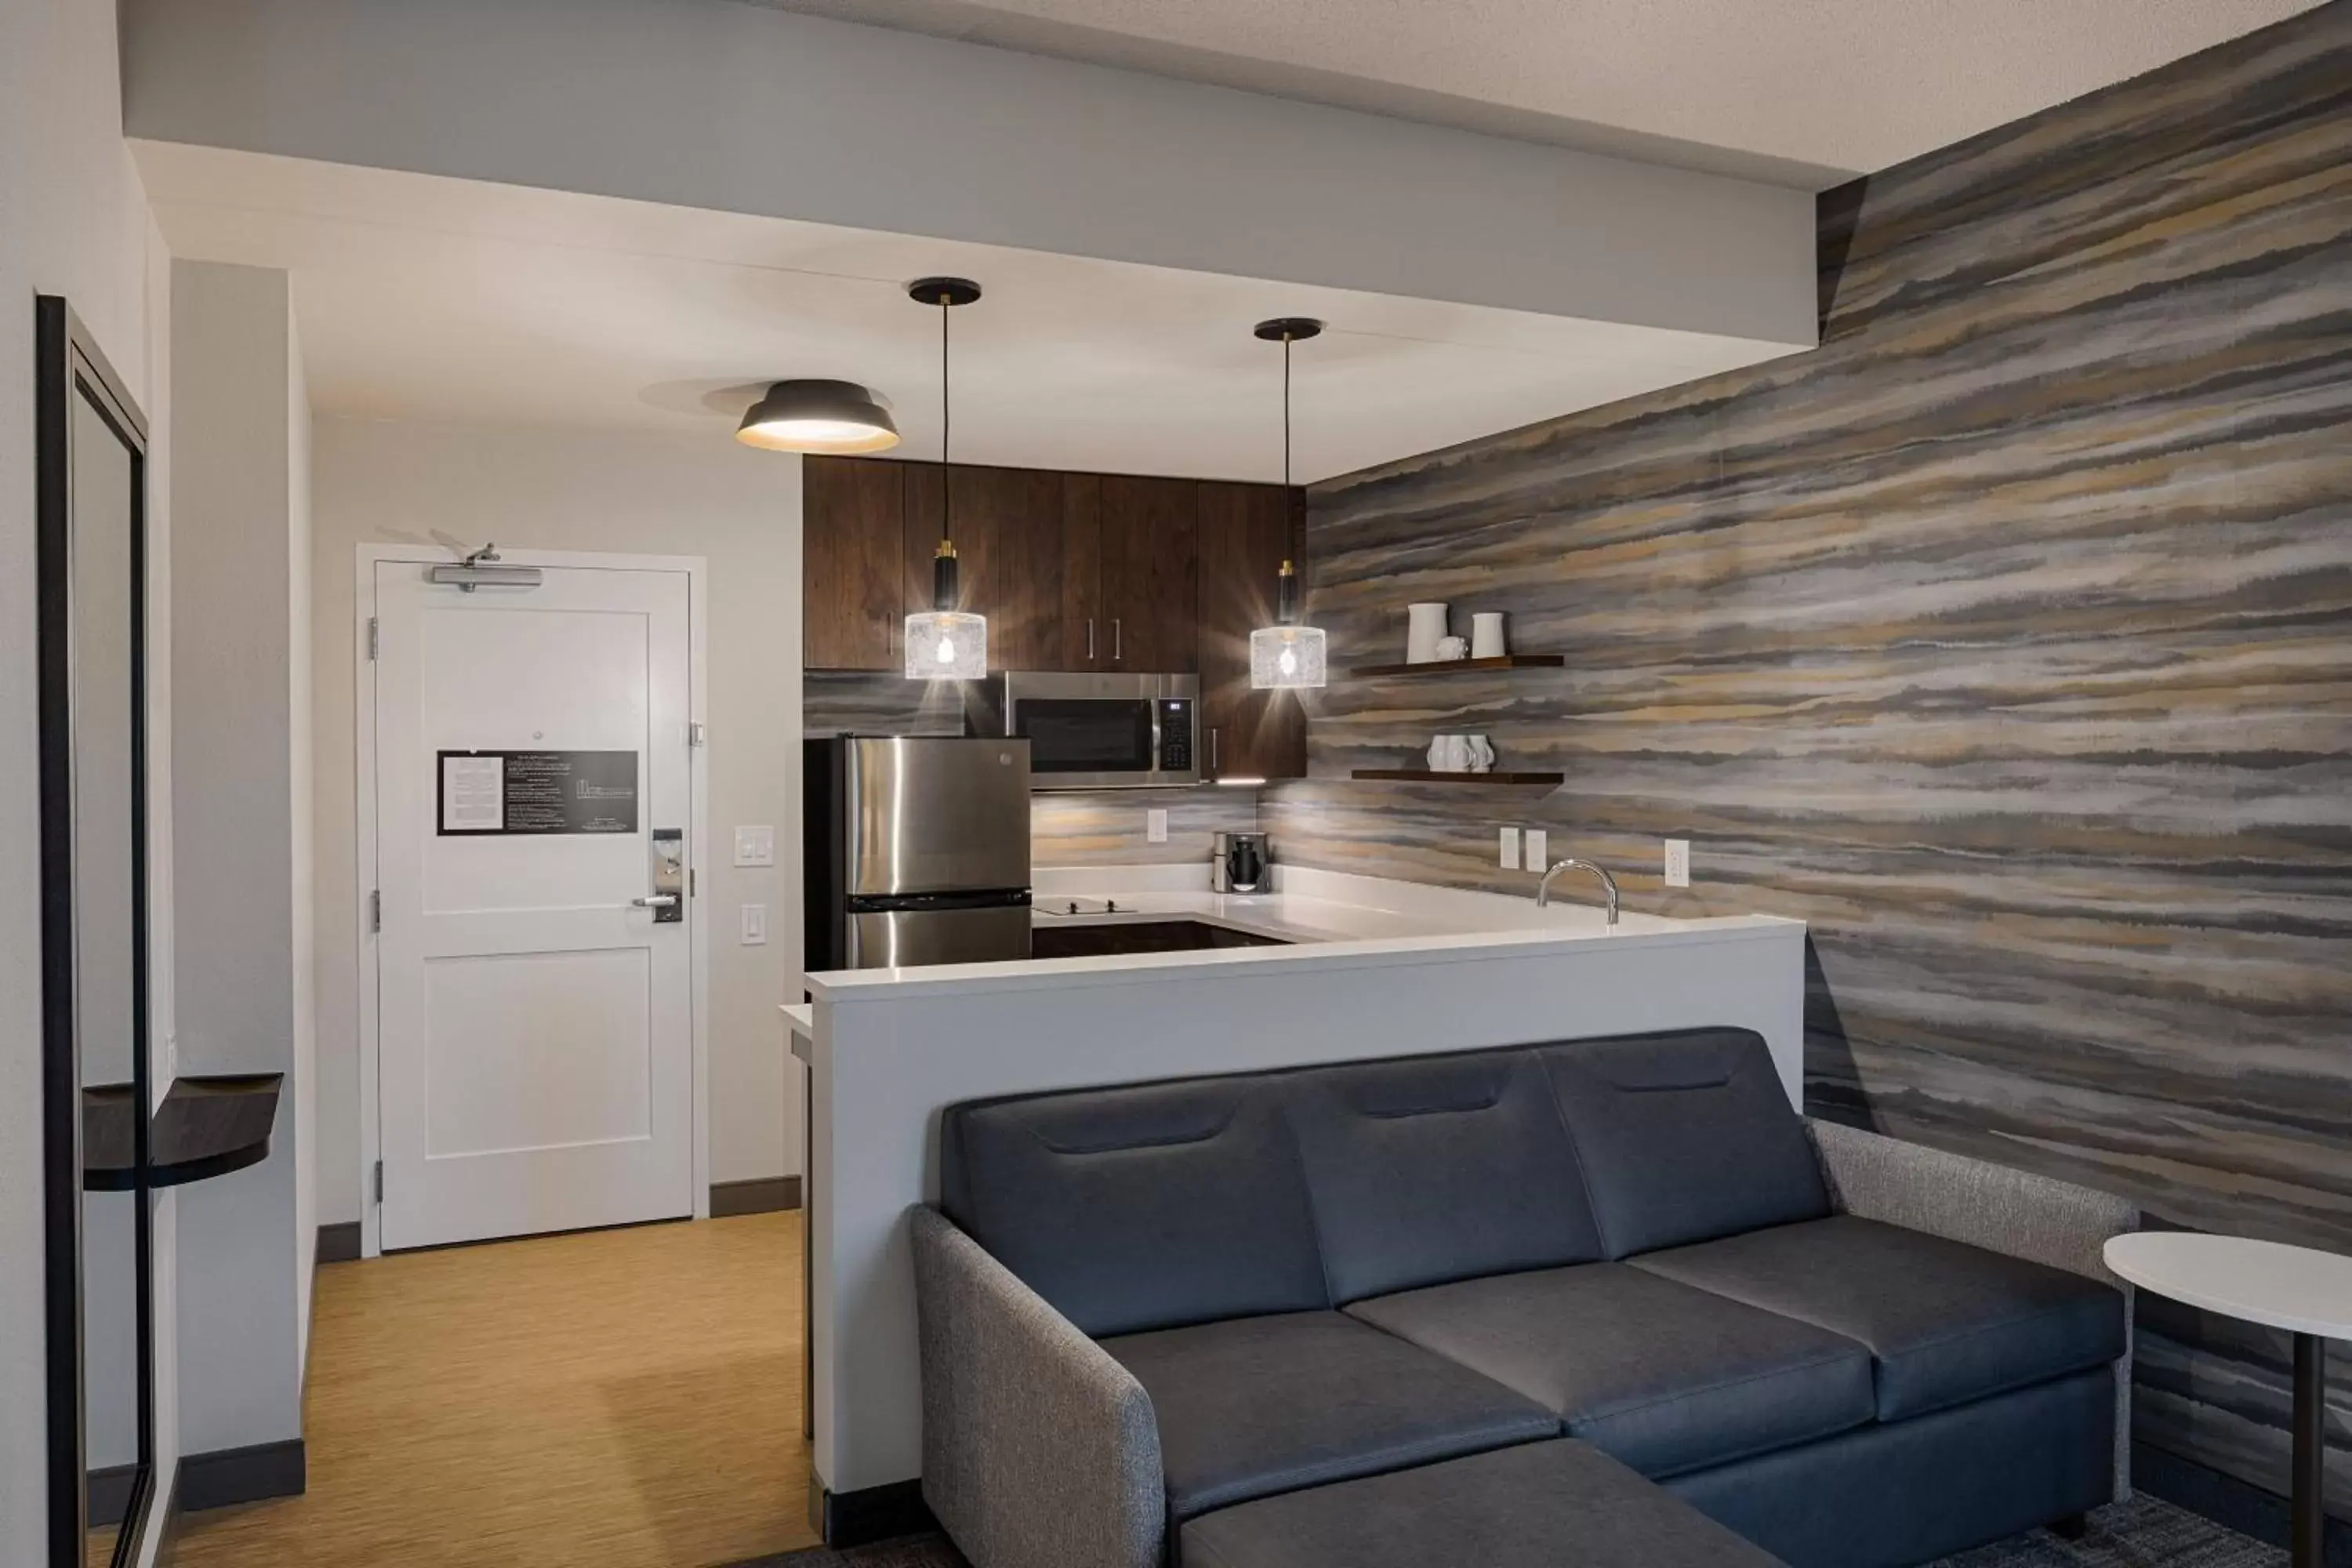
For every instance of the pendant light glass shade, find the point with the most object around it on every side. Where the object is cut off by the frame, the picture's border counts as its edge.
(1288, 656)
(945, 642)
(1283, 657)
(830, 416)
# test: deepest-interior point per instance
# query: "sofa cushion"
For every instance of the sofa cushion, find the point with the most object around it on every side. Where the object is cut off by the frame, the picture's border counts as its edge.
(1141, 1207)
(1438, 1168)
(1663, 1376)
(1540, 1505)
(1947, 1322)
(1684, 1137)
(1252, 1406)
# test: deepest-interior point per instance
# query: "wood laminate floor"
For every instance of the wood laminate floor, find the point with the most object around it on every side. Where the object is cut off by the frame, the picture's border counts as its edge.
(624, 1398)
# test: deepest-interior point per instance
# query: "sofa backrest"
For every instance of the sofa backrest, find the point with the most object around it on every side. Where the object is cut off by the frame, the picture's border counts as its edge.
(1161, 1205)
(1437, 1168)
(1684, 1137)
(1139, 1209)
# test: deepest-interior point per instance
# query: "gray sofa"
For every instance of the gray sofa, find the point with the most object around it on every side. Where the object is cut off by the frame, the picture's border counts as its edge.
(1610, 1293)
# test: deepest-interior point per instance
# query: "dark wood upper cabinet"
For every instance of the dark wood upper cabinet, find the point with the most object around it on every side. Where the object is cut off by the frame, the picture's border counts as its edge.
(1151, 574)
(1081, 639)
(1246, 532)
(1076, 572)
(852, 563)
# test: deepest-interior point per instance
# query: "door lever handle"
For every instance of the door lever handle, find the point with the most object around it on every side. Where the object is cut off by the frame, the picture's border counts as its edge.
(655, 901)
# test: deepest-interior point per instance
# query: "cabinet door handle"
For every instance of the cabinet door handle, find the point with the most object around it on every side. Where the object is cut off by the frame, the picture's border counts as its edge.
(1213, 732)
(1118, 642)
(1090, 639)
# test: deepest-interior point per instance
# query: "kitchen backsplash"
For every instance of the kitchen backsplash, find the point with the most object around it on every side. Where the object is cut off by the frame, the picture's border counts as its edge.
(1088, 827)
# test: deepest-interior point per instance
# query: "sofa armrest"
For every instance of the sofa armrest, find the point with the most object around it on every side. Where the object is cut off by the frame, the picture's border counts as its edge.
(1039, 1450)
(2038, 1218)
(1963, 1199)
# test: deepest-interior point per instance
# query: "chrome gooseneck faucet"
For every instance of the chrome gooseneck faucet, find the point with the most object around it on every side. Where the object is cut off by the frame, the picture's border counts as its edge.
(1608, 883)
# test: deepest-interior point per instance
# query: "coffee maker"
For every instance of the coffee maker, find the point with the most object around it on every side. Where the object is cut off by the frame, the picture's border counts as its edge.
(1242, 863)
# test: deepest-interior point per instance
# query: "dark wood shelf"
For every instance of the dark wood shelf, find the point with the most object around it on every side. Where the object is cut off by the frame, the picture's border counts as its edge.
(1455, 665)
(1424, 775)
(205, 1127)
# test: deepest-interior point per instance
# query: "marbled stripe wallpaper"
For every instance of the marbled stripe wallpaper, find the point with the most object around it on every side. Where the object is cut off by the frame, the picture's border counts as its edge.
(2006, 638)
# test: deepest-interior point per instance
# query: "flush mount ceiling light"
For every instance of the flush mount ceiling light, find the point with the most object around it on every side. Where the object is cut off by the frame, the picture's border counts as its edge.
(945, 642)
(830, 416)
(1286, 656)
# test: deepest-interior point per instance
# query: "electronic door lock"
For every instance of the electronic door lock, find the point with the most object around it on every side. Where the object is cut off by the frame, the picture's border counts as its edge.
(667, 901)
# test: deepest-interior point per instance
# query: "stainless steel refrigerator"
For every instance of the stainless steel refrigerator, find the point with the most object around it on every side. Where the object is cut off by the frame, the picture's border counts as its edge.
(917, 851)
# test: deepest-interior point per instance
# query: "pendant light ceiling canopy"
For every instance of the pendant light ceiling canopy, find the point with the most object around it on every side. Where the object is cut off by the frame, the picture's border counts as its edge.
(1288, 656)
(945, 642)
(832, 416)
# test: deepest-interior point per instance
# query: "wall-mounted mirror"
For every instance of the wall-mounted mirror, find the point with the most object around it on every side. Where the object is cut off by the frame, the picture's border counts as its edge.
(95, 1080)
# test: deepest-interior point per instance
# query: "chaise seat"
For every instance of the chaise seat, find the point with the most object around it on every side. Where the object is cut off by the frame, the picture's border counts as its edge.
(1252, 1406)
(1541, 1505)
(1663, 1376)
(1946, 1322)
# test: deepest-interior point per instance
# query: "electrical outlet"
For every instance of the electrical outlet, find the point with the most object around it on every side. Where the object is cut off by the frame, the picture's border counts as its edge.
(1538, 847)
(755, 925)
(1677, 862)
(755, 847)
(1510, 848)
(1155, 825)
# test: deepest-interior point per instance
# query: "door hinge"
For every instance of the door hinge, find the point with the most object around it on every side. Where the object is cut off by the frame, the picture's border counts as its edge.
(374, 635)
(694, 734)
(379, 1180)
(690, 881)
(375, 909)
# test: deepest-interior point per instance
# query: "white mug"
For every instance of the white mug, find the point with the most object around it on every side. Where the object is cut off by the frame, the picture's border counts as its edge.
(1486, 635)
(1478, 754)
(1453, 647)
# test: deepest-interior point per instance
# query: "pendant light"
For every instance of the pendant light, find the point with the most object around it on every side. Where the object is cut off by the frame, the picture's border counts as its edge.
(1286, 656)
(832, 417)
(944, 642)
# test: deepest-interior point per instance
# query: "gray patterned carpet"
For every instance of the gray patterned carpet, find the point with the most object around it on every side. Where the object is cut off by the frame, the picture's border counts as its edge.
(2141, 1533)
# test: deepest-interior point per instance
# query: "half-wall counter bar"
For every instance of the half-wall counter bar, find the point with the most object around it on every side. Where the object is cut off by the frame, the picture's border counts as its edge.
(1331, 968)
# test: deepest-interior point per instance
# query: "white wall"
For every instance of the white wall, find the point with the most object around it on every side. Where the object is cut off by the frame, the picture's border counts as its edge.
(240, 656)
(743, 108)
(419, 483)
(73, 221)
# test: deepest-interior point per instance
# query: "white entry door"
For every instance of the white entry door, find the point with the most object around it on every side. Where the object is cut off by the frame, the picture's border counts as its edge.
(535, 993)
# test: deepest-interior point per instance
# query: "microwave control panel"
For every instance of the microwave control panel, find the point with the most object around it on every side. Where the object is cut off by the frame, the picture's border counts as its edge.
(1175, 736)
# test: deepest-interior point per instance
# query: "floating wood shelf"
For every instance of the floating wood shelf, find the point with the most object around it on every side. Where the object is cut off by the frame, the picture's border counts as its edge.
(1456, 665)
(1424, 775)
(205, 1127)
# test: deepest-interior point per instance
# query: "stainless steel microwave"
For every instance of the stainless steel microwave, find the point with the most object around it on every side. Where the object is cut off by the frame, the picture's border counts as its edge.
(1103, 732)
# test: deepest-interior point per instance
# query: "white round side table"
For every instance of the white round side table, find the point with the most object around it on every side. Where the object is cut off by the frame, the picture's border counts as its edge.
(2306, 1292)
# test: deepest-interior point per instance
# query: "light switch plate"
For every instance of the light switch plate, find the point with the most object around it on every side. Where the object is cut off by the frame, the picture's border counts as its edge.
(1538, 845)
(755, 847)
(1677, 862)
(755, 925)
(1155, 825)
(1510, 848)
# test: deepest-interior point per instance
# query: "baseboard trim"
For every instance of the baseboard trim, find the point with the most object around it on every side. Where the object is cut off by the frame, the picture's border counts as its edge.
(844, 1519)
(339, 1243)
(2226, 1500)
(229, 1475)
(765, 1194)
(110, 1493)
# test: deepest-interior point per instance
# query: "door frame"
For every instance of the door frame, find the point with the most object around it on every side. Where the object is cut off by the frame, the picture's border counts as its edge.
(697, 569)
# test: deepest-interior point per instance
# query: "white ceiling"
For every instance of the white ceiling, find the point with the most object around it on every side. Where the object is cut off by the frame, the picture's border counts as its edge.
(1805, 91)
(423, 296)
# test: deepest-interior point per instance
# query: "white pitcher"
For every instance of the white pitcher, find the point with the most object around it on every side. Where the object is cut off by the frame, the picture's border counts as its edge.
(1424, 627)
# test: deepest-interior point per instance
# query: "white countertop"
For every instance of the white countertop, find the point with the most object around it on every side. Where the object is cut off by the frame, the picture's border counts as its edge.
(1330, 918)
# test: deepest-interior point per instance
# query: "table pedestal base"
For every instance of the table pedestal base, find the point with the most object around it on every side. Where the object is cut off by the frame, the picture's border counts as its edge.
(2308, 1533)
